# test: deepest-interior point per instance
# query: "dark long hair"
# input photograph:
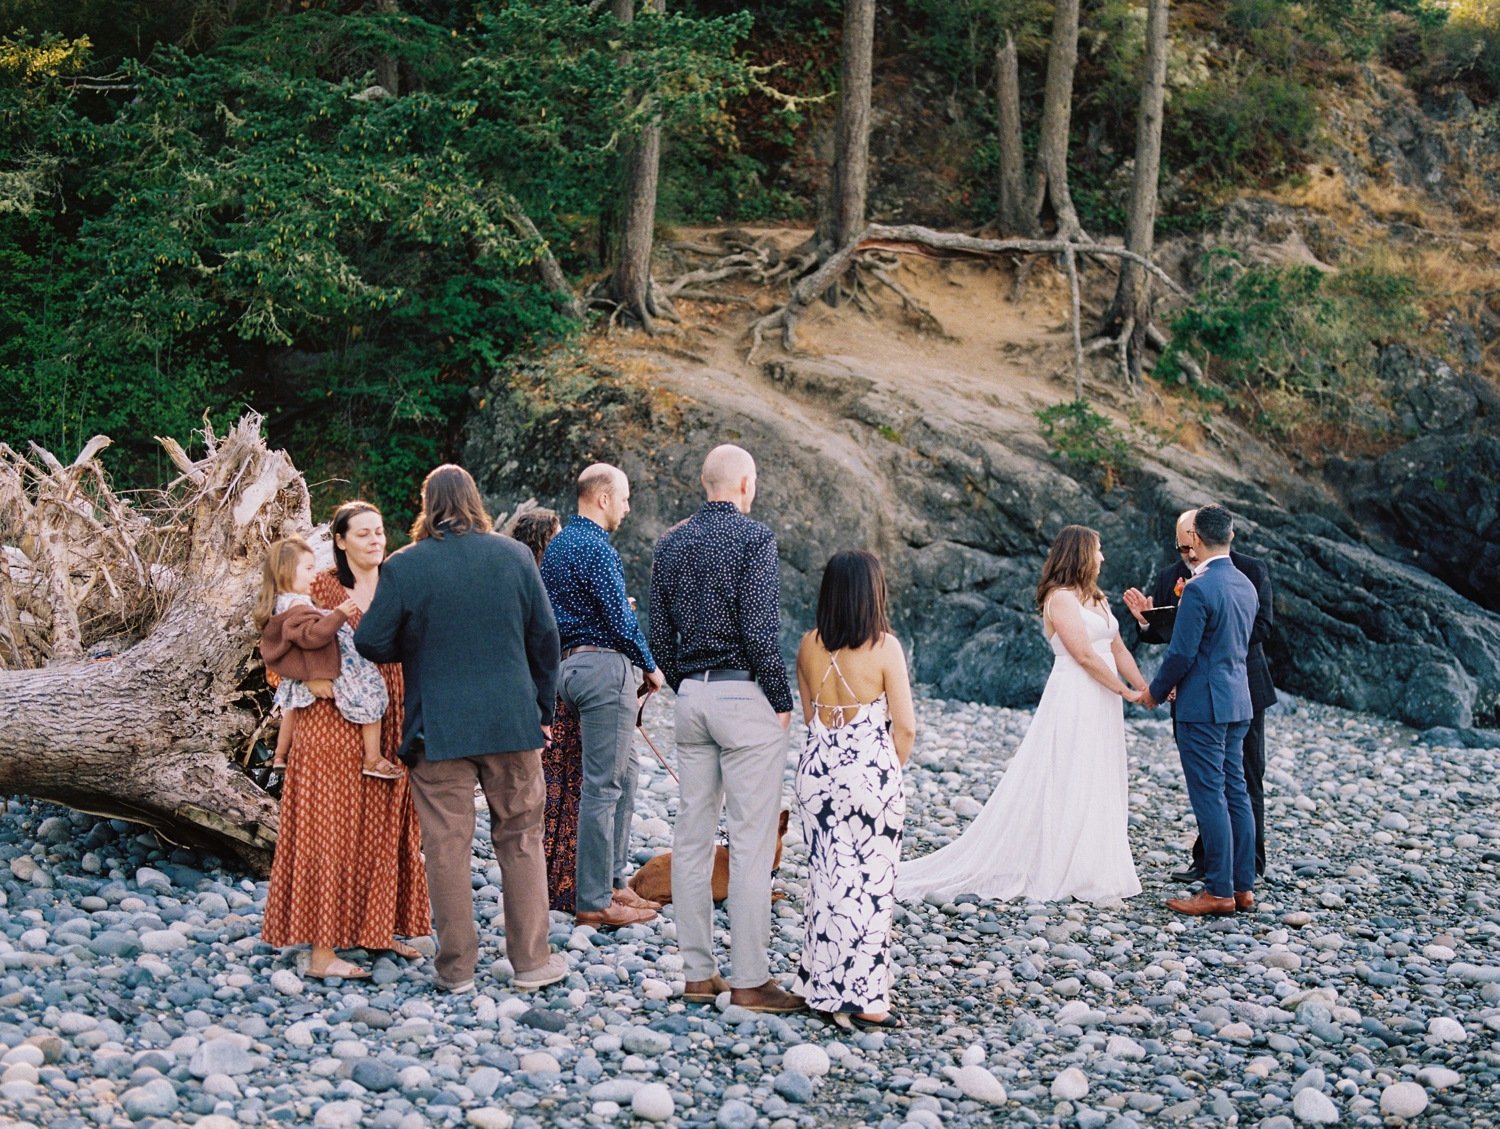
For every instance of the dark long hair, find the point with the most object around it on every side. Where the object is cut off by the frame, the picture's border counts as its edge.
(851, 601)
(337, 527)
(450, 504)
(1071, 564)
(534, 529)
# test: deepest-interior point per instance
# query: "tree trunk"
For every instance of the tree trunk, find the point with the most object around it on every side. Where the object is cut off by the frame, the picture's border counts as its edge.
(1050, 185)
(1014, 218)
(630, 281)
(549, 268)
(1132, 302)
(387, 74)
(851, 153)
(149, 733)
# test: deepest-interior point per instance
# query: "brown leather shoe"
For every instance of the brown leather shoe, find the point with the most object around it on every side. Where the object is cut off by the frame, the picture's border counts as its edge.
(1202, 904)
(614, 916)
(704, 991)
(769, 997)
(1244, 899)
(625, 896)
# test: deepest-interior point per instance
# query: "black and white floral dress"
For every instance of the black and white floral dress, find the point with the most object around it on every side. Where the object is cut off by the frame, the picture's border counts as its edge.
(851, 806)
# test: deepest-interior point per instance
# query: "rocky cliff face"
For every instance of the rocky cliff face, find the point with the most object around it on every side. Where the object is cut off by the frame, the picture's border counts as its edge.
(926, 450)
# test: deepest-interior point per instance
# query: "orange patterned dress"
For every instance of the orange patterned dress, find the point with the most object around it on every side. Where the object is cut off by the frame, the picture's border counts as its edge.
(348, 870)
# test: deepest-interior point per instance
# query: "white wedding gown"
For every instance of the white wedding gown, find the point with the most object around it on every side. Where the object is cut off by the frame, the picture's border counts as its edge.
(1055, 826)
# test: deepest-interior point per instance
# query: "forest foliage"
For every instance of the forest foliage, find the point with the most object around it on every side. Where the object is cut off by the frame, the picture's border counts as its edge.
(206, 203)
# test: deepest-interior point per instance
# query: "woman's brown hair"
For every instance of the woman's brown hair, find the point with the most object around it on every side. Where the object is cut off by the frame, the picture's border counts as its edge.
(450, 504)
(1071, 564)
(276, 576)
(851, 601)
(534, 529)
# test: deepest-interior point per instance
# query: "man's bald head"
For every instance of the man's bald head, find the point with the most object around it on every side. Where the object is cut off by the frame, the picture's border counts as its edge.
(604, 495)
(729, 476)
(1187, 542)
(597, 479)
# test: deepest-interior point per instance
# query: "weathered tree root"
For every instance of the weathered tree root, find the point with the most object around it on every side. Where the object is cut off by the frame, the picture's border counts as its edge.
(148, 728)
(905, 237)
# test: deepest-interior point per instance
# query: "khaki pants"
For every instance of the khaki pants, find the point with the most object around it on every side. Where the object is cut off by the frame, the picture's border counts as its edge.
(731, 754)
(443, 792)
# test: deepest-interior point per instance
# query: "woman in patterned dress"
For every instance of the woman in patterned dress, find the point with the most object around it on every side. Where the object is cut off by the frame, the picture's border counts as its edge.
(348, 870)
(562, 754)
(856, 701)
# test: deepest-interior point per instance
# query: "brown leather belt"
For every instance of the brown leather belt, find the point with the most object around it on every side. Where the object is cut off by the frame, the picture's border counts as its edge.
(587, 648)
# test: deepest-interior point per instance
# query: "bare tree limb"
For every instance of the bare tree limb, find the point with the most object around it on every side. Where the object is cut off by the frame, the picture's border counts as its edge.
(1070, 258)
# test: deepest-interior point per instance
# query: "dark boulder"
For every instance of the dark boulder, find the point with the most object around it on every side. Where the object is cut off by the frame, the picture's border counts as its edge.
(961, 498)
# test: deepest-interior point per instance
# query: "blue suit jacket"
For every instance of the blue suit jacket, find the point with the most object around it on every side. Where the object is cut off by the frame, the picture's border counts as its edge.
(1210, 638)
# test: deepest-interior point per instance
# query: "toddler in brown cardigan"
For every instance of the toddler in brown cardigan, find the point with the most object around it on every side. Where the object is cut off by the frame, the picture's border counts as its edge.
(301, 642)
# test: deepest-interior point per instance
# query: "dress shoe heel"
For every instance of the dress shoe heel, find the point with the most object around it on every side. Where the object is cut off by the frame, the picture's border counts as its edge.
(1202, 904)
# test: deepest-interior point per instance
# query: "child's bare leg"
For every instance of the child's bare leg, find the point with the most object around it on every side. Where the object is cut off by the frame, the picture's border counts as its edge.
(284, 737)
(370, 734)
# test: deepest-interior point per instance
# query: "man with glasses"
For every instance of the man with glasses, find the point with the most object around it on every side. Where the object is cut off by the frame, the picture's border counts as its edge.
(1167, 592)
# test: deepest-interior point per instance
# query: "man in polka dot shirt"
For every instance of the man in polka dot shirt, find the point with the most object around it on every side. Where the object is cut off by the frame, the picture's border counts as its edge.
(715, 630)
(602, 649)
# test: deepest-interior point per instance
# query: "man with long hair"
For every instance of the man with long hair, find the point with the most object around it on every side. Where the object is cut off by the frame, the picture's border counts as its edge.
(464, 612)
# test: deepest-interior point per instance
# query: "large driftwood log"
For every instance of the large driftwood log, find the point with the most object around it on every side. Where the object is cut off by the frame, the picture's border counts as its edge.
(126, 650)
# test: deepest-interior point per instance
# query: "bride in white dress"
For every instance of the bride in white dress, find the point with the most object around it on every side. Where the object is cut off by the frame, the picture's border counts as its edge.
(1055, 826)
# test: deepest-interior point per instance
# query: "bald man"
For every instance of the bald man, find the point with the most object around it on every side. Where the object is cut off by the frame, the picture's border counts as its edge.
(603, 652)
(1165, 593)
(716, 629)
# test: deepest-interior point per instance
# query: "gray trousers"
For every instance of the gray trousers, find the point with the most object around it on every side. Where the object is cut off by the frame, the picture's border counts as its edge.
(600, 687)
(731, 754)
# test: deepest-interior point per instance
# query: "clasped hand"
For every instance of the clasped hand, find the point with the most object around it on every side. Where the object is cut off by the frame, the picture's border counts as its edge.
(1144, 699)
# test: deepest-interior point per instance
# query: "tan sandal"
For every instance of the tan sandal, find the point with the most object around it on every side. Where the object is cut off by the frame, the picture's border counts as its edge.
(340, 969)
(382, 770)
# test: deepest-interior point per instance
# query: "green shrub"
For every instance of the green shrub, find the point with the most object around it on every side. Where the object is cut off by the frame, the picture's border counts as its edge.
(1465, 49)
(1236, 128)
(1295, 347)
(1080, 435)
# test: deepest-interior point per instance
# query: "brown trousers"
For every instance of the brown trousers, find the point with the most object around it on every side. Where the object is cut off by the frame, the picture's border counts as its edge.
(443, 792)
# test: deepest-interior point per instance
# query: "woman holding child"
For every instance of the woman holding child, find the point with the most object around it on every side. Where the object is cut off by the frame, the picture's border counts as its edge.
(348, 870)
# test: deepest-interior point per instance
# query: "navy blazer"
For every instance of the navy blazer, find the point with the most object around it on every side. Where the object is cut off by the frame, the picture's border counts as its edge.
(1210, 638)
(1262, 688)
(468, 619)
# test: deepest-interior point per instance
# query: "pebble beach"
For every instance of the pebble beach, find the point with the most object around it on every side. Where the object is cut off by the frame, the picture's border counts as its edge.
(1363, 990)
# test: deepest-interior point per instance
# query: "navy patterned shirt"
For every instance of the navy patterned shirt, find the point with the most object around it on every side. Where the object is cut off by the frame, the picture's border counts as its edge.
(586, 584)
(716, 600)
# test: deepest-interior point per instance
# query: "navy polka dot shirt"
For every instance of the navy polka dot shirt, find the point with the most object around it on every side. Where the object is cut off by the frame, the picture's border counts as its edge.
(716, 600)
(586, 584)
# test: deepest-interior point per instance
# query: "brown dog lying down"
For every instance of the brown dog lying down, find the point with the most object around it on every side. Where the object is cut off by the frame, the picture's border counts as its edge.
(653, 881)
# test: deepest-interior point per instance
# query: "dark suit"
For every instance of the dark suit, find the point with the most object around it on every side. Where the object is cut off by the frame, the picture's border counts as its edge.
(469, 621)
(1262, 689)
(1205, 664)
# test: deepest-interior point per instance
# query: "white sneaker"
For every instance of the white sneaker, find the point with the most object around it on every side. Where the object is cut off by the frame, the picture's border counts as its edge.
(550, 973)
(458, 989)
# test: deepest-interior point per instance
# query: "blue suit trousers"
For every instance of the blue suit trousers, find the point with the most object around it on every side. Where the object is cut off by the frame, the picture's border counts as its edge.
(1213, 763)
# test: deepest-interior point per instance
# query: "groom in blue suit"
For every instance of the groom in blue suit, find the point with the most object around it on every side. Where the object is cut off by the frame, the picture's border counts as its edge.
(1205, 665)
